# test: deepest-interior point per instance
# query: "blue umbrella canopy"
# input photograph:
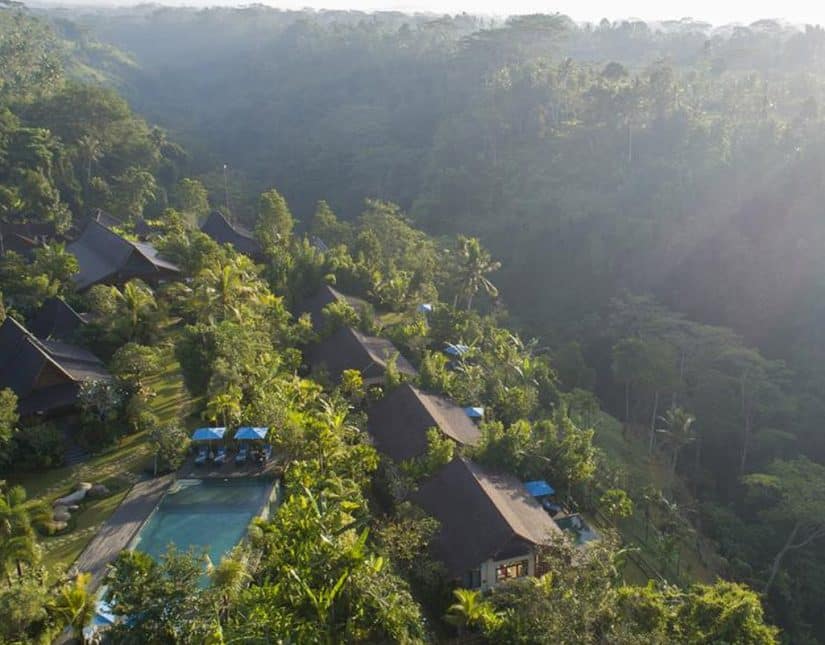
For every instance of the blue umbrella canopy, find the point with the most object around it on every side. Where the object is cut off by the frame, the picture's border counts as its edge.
(539, 488)
(456, 350)
(248, 432)
(474, 412)
(208, 434)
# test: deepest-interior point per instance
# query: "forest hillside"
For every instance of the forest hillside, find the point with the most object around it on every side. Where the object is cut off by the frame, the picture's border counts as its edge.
(621, 222)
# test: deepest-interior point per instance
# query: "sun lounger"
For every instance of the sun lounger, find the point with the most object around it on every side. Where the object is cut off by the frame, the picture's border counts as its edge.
(200, 458)
(220, 457)
(241, 456)
(267, 452)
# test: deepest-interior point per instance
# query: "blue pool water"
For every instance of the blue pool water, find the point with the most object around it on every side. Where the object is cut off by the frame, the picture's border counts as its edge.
(209, 515)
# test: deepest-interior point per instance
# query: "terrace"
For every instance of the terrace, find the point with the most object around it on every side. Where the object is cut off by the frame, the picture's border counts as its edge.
(216, 457)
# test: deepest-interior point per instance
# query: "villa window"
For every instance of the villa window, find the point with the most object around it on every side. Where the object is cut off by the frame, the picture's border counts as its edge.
(472, 580)
(510, 570)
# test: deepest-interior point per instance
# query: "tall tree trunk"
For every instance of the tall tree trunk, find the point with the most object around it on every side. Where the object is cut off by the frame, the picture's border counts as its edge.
(746, 427)
(681, 378)
(777, 561)
(697, 461)
(653, 423)
(627, 402)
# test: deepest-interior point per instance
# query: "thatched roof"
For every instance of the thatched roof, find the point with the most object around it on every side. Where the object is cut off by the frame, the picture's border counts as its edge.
(483, 516)
(104, 256)
(326, 295)
(349, 349)
(44, 374)
(56, 319)
(399, 422)
(219, 229)
(24, 237)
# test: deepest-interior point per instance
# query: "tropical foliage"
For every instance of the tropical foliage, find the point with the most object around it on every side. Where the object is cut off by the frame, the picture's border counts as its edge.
(535, 167)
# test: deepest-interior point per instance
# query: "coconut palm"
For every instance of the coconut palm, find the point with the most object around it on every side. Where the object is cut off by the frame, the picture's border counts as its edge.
(135, 302)
(329, 433)
(679, 432)
(228, 578)
(225, 406)
(18, 543)
(90, 151)
(75, 605)
(475, 263)
(223, 293)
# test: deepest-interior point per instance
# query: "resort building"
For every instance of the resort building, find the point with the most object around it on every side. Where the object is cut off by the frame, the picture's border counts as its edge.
(349, 349)
(24, 237)
(46, 375)
(104, 257)
(219, 229)
(139, 227)
(491, 527)
(56, 320)
(326, 295)
(398, 423)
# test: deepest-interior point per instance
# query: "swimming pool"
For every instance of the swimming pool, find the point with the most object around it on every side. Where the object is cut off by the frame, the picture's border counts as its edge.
(209, 515)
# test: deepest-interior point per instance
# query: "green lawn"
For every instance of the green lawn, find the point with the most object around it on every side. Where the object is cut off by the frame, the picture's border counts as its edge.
(118, 467)
(61, 550)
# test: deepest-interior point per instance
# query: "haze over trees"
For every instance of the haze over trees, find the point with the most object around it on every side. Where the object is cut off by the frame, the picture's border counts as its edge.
(641, 200)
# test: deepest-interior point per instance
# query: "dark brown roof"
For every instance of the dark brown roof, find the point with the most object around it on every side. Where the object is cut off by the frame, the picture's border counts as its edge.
(24, 237)
(24, 358)
(326, 295)
(314, 305)
(104, 256)
(349, 349)
(79, 363)
(483, 516)
(140, 227)
(56, 319)
(107, 219)
(399, 422)
(219, 229)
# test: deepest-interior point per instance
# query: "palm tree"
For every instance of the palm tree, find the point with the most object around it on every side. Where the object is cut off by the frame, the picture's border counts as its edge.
(18, 543)
(469, 610)
(475, 263)
(331, 433)
(228, 579)
(225, 406)
(679, 431)
(223, 290)
(135, 300)
(90, 150)
(75, 604)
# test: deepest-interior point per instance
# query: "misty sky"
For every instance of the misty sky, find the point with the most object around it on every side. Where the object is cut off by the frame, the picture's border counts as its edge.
(715, 11)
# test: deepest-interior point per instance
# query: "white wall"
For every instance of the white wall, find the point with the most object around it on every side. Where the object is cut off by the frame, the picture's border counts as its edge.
(488, 568)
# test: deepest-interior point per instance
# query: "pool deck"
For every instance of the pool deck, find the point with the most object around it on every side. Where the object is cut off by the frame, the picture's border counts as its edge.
(228, 470)
(120, 528)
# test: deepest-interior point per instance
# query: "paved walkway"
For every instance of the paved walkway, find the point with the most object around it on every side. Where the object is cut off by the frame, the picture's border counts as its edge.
(120, 528)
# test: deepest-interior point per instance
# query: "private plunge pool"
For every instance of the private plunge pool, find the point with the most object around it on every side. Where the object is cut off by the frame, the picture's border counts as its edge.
(205, 514)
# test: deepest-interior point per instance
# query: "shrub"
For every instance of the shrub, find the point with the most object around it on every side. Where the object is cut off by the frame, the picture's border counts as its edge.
(37, 447)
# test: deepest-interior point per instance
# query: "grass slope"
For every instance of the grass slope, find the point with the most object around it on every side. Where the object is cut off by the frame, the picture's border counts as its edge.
(118, 468)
